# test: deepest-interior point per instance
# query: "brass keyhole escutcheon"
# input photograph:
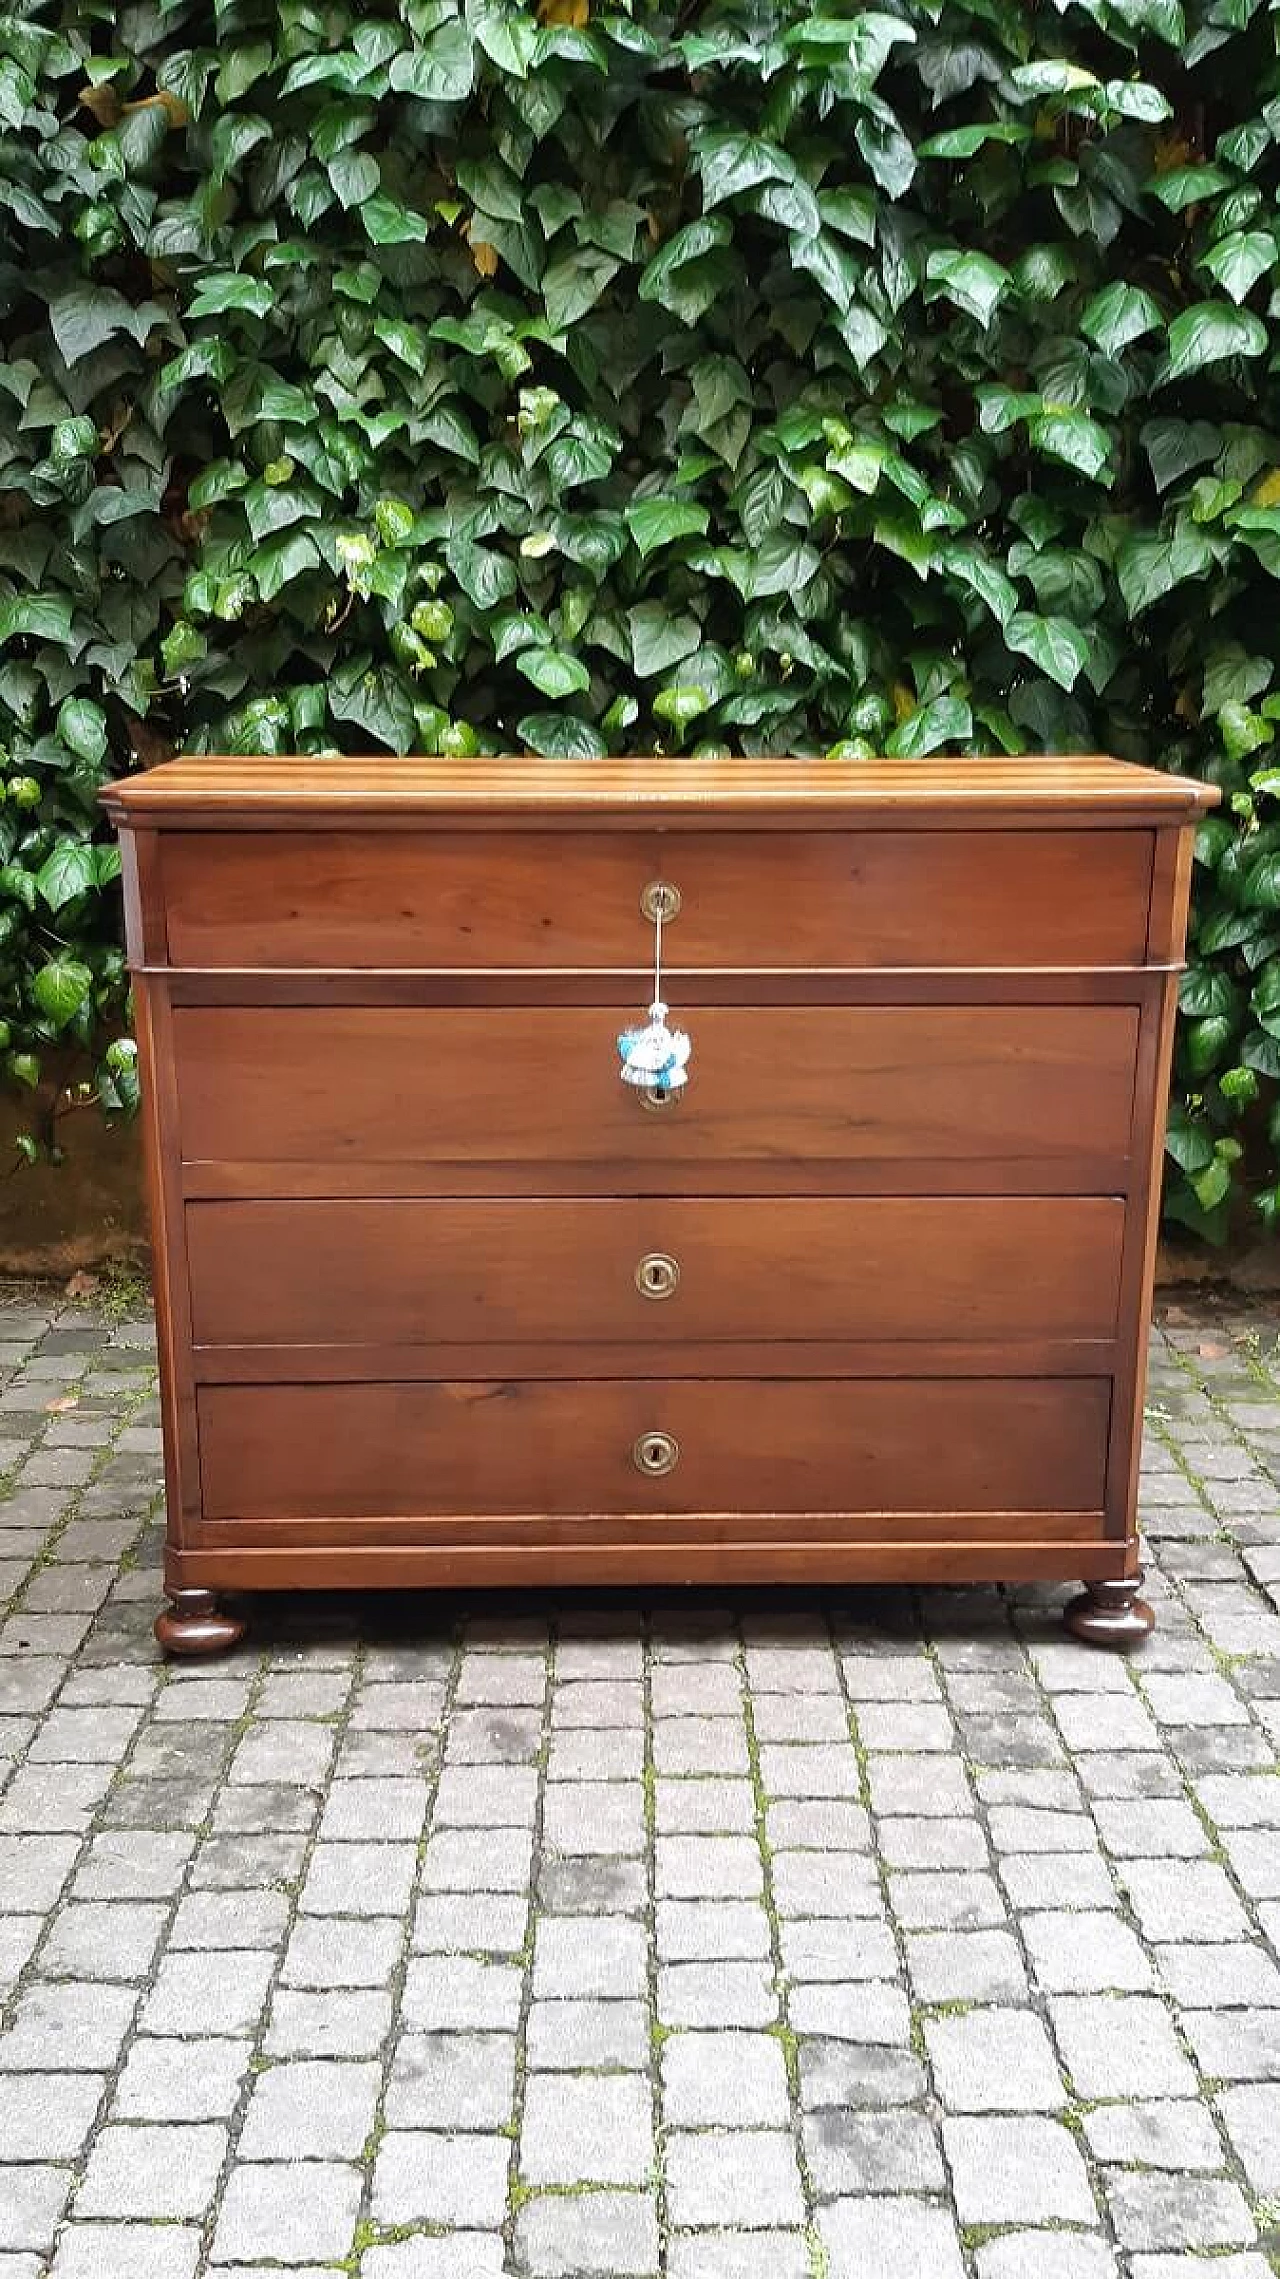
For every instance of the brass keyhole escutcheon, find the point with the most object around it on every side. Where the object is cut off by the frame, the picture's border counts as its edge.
(657, 1275)
(660, 900)
(655, 1453)
(653, 1096)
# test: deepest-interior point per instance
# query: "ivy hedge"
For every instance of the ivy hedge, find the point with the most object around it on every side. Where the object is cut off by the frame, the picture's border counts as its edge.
(603, 375)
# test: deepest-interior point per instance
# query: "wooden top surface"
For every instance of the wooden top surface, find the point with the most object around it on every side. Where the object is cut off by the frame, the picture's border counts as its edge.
(239, 792)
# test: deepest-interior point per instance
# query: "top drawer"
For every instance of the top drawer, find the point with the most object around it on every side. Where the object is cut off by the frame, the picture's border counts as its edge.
(543, 898)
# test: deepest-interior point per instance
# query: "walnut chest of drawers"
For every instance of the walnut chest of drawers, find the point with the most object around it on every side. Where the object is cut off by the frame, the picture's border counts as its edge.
(443, 1301)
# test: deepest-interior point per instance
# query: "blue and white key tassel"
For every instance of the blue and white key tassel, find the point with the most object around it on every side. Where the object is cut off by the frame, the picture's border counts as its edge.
(655, 1058)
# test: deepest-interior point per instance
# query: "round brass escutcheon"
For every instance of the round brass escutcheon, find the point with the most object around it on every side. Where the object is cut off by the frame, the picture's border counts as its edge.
(660, 900)
(657, 1275)
(653, 1096)
(655, 1453)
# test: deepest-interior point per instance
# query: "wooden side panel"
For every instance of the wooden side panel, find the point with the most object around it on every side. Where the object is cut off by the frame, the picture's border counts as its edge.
(156, 1072)
(773, 1088)
(405, 1273)
(462, 899)
(337, 1452)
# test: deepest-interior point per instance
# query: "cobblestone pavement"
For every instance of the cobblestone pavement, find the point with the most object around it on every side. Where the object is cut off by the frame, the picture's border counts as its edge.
(886, 1937)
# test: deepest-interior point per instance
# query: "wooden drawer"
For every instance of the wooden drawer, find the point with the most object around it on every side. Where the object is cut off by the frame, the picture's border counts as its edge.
(400, 1450)
(654, 1272)
(412, 1097)
(458, 899)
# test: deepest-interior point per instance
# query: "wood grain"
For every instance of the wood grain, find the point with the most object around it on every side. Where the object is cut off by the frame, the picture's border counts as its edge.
(339, 1451)
(769, 1086)
(429, 899)
(252, 794)
(283, 1274)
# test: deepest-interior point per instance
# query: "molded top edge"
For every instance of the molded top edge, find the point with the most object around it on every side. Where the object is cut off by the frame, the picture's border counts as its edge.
(237, 790)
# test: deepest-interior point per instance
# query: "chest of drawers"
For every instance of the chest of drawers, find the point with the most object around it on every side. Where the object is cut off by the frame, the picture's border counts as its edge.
(442, 1301)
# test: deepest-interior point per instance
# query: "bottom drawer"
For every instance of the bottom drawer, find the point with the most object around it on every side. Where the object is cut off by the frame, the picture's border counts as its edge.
(363, 1452)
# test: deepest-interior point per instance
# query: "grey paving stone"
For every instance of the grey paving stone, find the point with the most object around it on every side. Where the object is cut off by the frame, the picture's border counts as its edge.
(843, 2074)
(942, 1899)
(480, 1923)
(872, 2152)
(243, 1919)
(154, 2172)
(465, 1859)
(309, 2109)
(613, 1961)
(1183, 1899)
(290, 2212)
(701, 1930)
(328, 2025)
(831, 1949)
(1022, 2170)
(457, 1994)
(594, 1817)
(889, 2238)
(573, 2036)
(133, 1865)
(712, 1806)
(818, 1824)
(1239, 1975)
(874, 2012)
(188, 2080)
(31, 2201)
(358, 1879)
(47, 2116)
(610, 2232)
(453, 2255)
(1120, 2045)
(1178, 2211)
(1251, 2117)
(586, 2130)
(1193, 2267)
(98, 1939)
(126, 2251)
(452, 2081)
(69, 2025)
(1085, 1953)
(717, 1994)
(214, 1992)
(746, 2177)
(994, 2061)
(1171, 2133)
(1049, 2255)
(966, 1966)
(1229, 2046)
(441, 2180)
(336, 1951)
(912, 1843)
(724, 2080)
(708, 1867)
(817, 1883)
(736, 2254)
(1081, 1880)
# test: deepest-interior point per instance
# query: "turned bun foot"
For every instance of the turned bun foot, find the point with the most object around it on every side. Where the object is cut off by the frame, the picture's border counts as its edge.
(1111, 1614)
(194, 1623)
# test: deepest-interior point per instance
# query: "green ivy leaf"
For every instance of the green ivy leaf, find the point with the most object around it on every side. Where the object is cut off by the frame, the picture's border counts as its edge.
(554, 673)
(1209, 333)
(945, 720)
(60, 988)
(659, 522)
(1119, 314)
(559, 736)
(1060, 648)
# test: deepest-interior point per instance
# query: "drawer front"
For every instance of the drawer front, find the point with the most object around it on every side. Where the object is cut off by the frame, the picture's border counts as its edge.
(653, 1271)
(549, 898)
(1049, 1086)
(370, 1452)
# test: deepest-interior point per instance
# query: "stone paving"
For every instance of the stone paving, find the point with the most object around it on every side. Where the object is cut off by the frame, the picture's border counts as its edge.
(872, 1937)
